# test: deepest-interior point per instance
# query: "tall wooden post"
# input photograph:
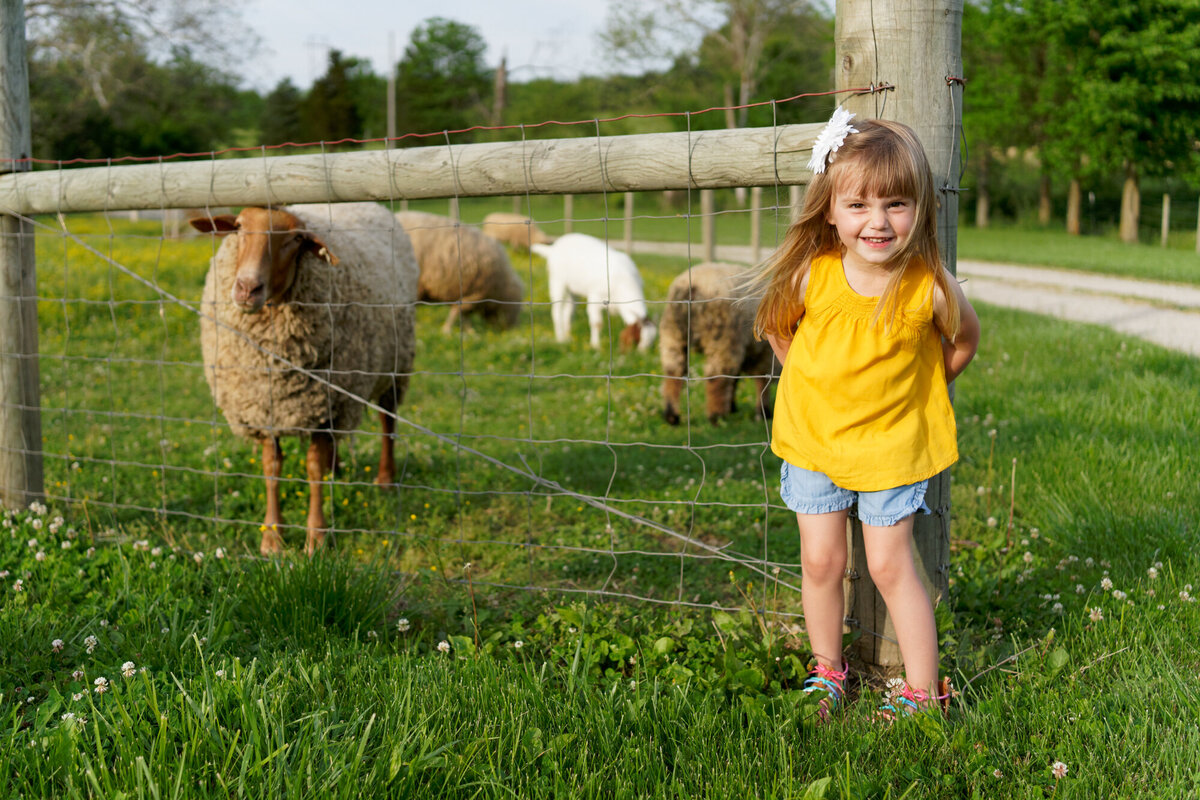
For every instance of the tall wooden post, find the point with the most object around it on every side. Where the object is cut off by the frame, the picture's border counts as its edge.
(629, 223)
(708, 224)
(916, 47)
(20, 399)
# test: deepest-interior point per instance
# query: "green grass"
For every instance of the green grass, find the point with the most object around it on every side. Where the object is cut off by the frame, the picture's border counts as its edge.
(324, 678)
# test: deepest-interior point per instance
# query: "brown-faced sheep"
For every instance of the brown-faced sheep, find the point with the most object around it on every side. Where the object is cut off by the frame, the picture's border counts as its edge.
(461, 265)
(515, 230)
(329, 288)
(705, 313)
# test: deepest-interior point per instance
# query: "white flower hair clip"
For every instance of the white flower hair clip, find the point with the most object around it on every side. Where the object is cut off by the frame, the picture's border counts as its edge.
(830, 139)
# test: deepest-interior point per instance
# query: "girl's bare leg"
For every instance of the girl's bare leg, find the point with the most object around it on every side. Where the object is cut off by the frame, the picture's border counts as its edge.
(823, 564)
(894, 571)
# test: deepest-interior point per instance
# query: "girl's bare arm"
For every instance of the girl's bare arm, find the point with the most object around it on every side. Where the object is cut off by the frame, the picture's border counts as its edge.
(959, 351)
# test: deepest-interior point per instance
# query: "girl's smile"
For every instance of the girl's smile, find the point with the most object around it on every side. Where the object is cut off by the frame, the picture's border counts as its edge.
(871, 228)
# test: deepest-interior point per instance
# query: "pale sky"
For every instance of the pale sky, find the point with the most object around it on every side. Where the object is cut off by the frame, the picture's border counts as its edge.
(542, 38)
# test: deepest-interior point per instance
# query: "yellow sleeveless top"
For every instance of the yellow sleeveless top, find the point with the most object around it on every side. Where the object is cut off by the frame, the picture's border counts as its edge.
(866, 404)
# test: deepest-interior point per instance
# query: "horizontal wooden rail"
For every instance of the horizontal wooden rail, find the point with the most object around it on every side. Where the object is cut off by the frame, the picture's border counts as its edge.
(637, 163)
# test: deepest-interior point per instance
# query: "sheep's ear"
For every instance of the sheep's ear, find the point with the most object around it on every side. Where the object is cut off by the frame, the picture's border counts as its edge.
(220, 224)
(631, 336)
(318, 248)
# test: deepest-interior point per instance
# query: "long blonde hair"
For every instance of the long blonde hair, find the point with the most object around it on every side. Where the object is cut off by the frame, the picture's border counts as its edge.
(883, 159)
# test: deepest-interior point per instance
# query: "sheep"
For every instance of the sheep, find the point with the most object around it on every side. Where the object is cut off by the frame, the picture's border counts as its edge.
(329, 288)
(516, 230)
(707, 311)
(461, 265)
(578, 264)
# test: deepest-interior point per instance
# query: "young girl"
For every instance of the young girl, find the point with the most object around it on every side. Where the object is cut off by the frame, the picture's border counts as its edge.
(870, 329)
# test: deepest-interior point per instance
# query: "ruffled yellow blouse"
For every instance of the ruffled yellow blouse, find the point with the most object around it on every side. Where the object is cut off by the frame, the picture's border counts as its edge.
(865, 403)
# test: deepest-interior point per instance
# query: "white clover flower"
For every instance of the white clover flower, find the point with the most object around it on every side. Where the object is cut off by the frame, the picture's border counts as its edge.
(996, 773)
(1079, 588)
(443, 646)
(68, 717)
(992, 522)
(91, 551)
(166, 630)
(572, 629)
(40, 555)
(128, 670)
(1152, 573)
(32, 543)
(66, 544)
(1186, 596)
(77, 675)
(1034, 533)
(518, 644)
(372, 635)
(36, 524)
(3, 574)
(90, 643)
(56, 645)
(1028, 557)
(78, 696)
(37, 508)
(197, 557)
(1106, 583)
(1118, 594)
(220, 673)
(101, 685)
(1059, 769)
(1095, 615)
(156, 551)
(1057, 608)
(1089, 562)
(19, 585)
(219, 552)
(403, 624)
(103, 623)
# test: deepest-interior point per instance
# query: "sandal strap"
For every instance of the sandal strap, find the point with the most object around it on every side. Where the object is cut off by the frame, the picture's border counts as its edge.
(827, 679)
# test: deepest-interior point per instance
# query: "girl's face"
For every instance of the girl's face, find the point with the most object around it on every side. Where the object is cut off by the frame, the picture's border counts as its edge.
(871, 228)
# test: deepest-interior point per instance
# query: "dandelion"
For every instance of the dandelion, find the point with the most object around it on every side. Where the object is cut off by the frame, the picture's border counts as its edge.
(1106, 583)
(1095, 615)
(128, 670)
(443, 646)
(101, 685)
(90, 643)
(1152, 573)
(1059, 769)
(56, 646)
(403, 624)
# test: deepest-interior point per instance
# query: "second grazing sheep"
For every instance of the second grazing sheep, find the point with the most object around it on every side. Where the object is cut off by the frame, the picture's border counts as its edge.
(461, 265)
(515, 230)
(584, 266)
(331, 290)
(705, 313)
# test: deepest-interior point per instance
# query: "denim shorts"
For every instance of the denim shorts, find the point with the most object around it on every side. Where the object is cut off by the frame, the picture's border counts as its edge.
(807, 492)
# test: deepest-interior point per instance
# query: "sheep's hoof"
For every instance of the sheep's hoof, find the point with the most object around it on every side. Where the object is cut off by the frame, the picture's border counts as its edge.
(272, 542)
(384, 480)
(671, 416)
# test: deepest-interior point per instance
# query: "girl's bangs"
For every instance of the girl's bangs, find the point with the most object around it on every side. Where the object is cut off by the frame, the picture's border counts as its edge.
(878, 172)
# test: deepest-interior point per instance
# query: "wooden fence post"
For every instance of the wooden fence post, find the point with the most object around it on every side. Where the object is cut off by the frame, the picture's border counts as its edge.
(755, 224)
(1166, 219)
(915, 47)
(20, 397)
(708, 225)
(568, 212)
(629, 223)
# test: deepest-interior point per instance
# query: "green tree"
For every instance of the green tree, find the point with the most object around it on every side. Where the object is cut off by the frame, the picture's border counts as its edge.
(442, 82)
(329, 111)
(280, 121)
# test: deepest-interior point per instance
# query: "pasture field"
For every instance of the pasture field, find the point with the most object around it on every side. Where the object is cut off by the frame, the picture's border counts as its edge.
(465, 638)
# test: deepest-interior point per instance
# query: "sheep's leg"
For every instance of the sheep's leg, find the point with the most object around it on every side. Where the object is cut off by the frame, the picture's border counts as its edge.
(718, 397)
(387, 450)
(319, 463)
(455, 313)
(272, 460)
(562, 306)
(595, 314)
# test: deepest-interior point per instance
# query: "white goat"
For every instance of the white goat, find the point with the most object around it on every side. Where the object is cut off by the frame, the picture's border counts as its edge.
(578, 264)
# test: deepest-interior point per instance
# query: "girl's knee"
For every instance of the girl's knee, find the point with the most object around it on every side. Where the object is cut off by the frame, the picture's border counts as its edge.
(824, 566)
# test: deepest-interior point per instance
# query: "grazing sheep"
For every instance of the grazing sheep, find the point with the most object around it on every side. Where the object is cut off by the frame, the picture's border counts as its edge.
(330, 288)
(578, 264)
(515, 230)
(704, 313)
(461, 265)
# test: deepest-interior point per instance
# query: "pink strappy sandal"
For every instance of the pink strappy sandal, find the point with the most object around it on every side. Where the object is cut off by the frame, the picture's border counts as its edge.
(830, 684)
(903, 701)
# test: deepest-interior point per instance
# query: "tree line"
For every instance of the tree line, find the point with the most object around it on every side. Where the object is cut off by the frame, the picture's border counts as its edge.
(1079, 91)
